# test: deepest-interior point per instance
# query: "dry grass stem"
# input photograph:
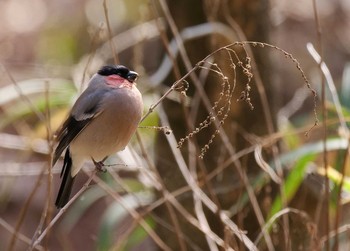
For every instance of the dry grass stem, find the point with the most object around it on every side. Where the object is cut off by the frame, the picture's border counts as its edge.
(62, 211)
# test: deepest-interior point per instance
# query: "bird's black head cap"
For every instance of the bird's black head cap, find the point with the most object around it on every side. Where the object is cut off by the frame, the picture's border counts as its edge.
(120, 70)
(108, 70)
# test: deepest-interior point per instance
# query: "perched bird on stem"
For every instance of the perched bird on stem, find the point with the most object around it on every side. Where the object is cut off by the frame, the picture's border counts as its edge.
(100, 123)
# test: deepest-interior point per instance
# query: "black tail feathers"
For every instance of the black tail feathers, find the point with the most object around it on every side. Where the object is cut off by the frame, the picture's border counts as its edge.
(67, 182)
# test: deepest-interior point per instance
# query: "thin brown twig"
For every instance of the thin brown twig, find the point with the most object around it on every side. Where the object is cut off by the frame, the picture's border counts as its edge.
(194, 187)
(333, 233)
(324, 126)
(344, 131)
(19, 236)
(39, 114)
(171, 198)
(47, 211)
(284, 211)
(112, 45)
(165, 42)
(24, 210)
(40, 225)
(93, 46)
(265, 142)
(173, 216)
(62, 211)
(151, 208)
(133, 213)
(172, 88)
(207, 231)
(49, 208)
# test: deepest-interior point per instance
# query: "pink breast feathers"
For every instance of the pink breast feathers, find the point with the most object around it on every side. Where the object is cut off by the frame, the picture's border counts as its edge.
(117, 81)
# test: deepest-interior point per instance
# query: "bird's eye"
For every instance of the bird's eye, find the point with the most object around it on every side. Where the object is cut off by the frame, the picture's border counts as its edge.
(132, 76)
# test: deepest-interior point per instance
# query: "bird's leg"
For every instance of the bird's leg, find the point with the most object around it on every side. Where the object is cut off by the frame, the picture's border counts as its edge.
(100, 166)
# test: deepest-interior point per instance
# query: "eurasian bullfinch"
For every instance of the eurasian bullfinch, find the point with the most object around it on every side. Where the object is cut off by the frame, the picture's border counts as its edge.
(101, 122)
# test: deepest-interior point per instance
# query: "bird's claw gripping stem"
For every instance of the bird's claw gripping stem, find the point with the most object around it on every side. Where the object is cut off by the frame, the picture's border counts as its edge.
(100, 166)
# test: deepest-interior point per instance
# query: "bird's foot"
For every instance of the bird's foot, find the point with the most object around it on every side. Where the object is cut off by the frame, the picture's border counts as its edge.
(100, 166)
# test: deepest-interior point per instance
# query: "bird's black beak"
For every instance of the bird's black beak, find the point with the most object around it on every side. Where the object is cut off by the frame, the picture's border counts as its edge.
(132, 76)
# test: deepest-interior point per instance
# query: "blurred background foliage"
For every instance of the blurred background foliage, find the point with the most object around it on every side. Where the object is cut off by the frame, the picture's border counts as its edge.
(50, 49)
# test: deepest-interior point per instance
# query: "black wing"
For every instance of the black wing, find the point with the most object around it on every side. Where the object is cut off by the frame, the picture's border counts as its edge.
(69, 130)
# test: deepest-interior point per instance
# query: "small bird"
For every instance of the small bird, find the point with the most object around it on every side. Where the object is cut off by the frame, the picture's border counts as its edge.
(100, 123)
